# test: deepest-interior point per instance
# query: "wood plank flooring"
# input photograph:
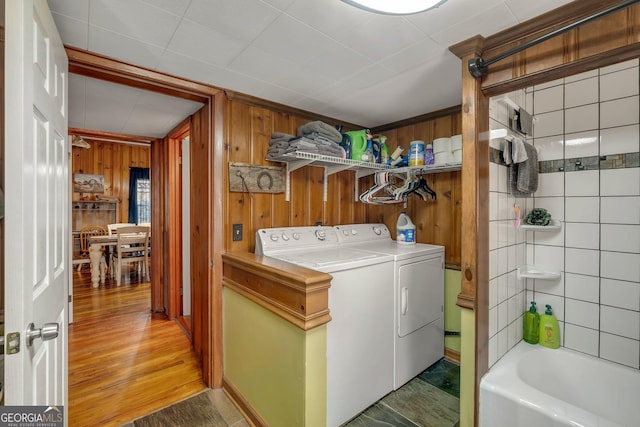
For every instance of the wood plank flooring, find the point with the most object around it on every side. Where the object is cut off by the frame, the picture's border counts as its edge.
(124, 362)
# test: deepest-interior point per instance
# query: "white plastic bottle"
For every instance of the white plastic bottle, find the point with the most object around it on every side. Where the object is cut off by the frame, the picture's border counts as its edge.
(405, 230)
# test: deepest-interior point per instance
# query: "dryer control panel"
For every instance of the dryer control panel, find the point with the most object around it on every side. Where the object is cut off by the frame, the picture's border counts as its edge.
(275, 240)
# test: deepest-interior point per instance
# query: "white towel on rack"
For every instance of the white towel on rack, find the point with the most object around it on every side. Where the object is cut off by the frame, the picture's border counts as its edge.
(518, 151)
(505, 147)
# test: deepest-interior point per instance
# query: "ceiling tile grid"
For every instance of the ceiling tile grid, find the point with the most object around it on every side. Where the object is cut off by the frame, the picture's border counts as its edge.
(319, 55)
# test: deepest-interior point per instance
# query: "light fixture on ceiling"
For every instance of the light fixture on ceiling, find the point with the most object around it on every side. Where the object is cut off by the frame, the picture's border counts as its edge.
(395, 7)
(77, 141)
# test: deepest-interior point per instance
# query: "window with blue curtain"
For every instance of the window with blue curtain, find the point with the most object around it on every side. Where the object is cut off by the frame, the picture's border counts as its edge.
(139, 195)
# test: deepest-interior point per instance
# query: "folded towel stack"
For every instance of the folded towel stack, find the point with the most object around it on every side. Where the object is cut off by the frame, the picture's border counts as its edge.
(278, 145)
(318, 128)
(320, 138)
(316, 146)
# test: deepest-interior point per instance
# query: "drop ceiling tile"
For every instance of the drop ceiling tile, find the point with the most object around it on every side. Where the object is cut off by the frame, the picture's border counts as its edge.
(280, 4)
(418, 53)
(274, 70)
(335, 61)
(449, 14)
(165, 103)
(205, 44)
(123, 48)
(527, 9)
(178, 65)
(177, 7)
(362, 79)
(76, 100)
(151, 121)
(107, 114)
(99, 89)
(72, 31)
(366, 33)
(241, 19)
(486, 23)
(290, 39)
(134, 19)
(77, 9)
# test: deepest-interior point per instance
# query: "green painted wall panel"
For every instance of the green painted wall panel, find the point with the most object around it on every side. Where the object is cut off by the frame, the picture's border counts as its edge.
(452, 287)
(277, 367)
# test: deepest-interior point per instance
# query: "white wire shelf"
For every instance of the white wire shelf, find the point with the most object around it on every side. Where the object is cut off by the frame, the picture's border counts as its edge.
(331, 165)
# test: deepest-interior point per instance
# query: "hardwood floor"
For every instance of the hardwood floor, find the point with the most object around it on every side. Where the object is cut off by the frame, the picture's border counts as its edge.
(124, 362)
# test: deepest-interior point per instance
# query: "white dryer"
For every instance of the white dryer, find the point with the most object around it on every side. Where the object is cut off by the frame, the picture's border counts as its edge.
(418, 296)
(360, 333)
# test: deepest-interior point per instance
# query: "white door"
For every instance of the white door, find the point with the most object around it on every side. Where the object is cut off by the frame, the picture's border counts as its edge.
(37, 202)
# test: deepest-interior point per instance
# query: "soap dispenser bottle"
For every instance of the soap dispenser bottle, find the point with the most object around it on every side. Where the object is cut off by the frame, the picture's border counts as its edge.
(531, 325)
(549, 331)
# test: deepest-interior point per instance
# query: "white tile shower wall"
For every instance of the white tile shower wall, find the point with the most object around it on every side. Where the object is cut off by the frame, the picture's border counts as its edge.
(507, 295)
(597, 250)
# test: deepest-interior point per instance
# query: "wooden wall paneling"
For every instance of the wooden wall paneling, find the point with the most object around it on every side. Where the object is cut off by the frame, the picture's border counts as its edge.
(112, 160)
(239, 150)
(125, 164)
(634, 25)
(299, 197)
(453, 256)
(200, 216)
(609, 32)
(301, 187)
(332, 207)
(316, 196)
(157, 175)
(261, 130)
(280, 214)
(2, 183)
(174, 222)
(558, 57)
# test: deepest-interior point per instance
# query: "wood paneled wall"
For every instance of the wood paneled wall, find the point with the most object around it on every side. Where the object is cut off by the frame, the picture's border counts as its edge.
(249, 128)
(576, 51)
(112, 160)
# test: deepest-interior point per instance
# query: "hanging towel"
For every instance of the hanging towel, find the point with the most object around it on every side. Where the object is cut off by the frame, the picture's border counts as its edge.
(523, 177)
(518, 151)
(505, 147)
(525, 122)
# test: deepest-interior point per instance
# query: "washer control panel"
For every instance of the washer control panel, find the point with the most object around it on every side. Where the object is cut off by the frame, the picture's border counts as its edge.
(269, 240)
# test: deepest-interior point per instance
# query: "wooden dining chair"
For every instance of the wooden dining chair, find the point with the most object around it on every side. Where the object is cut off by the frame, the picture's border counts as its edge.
(85, 233)
(132, 247)
(113, 228)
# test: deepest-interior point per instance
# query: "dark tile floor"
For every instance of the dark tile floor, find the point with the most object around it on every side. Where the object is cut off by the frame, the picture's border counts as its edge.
(429, 400)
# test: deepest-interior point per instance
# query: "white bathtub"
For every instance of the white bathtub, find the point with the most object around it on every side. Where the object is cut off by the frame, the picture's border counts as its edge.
(533, 386)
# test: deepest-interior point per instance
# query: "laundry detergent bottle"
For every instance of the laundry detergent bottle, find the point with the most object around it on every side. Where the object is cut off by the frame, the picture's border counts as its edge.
(549, 334)
(531, 325)
(405, 230)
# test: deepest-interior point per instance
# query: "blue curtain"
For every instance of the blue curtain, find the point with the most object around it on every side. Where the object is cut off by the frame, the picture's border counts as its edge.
(134, 175)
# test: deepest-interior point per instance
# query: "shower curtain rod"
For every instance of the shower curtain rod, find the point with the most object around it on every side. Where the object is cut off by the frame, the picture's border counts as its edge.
(478, 66)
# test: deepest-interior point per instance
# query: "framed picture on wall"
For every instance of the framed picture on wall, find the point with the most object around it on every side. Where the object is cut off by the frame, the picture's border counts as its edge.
(88, 183)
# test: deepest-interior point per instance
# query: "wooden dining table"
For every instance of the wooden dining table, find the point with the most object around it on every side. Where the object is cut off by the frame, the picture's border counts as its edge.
(97, 261)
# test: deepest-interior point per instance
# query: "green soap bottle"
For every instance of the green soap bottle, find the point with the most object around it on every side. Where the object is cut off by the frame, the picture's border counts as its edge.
(531, 325)
(549, 330)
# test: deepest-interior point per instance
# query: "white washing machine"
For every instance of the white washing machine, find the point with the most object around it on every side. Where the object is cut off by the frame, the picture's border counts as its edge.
(418, 296)
(360, 333)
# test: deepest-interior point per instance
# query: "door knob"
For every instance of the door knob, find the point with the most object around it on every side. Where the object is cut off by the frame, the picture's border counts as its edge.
(48, 332)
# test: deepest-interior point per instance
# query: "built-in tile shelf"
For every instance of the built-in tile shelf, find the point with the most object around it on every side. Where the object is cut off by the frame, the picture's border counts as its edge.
(553, 226)
(533, 272)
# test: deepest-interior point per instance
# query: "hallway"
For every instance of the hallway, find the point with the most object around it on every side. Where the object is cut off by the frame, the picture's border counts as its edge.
(124, 362)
